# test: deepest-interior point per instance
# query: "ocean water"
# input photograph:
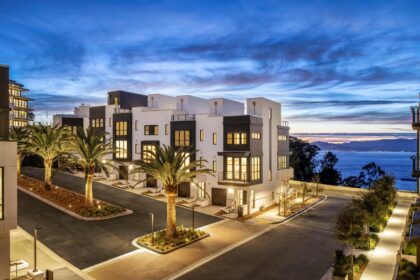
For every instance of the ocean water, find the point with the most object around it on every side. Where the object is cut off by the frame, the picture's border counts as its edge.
(397, 164)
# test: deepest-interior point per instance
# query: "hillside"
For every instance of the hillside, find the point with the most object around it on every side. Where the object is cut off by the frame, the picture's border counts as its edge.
(388, 145)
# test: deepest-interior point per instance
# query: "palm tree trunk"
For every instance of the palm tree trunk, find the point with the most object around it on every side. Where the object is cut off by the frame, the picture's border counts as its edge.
(18, 165)
(170, 215)
(89, 190)
(48, 172)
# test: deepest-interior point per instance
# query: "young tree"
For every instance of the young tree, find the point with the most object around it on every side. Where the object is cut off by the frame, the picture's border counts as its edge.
(328, 173)
(316, 180)
(370, 173)
(350, 227)
(303, 159)
(385, 190)
(286, 190)
(374, 209)
(48, 142)
(91, 147)
(20, 134)
(171, 166)
(302, 188)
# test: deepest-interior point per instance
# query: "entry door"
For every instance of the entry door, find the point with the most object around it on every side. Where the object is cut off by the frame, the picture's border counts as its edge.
(123, 172)
(218, 196)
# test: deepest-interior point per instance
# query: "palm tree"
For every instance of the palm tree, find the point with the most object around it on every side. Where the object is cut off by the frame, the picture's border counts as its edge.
(171, 166)
(20, 134)
(91, 148)
(48, 142)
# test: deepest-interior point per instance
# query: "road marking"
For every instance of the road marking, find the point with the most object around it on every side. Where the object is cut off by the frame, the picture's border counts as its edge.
(231, 247)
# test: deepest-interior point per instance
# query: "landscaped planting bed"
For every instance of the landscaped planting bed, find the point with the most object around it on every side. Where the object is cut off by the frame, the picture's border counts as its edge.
(69, 201)
(184, 236)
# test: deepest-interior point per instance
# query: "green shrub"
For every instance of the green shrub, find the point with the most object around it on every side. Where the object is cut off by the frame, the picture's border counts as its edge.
(362, 260)
(103, 211)
(407, 271)
(342, 264)
(409, 248)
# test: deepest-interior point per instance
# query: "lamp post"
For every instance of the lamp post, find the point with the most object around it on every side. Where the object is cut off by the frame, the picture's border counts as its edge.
(35, 241)
(152, 217)
(192, 208)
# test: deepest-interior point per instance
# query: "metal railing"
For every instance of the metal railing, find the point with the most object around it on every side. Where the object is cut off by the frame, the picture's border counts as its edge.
(119, 110)
(234, 177)
(183, 117)
(284, 123)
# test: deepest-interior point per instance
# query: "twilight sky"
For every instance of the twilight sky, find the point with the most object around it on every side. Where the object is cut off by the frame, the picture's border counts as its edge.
(336, 66)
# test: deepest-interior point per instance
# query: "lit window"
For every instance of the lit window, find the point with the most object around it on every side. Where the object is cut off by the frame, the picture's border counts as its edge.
(282, 138)
(166, 129)
(148, 152)
(151, 130)
(201, 135)
(214, 166)
(270, 113)
(121, 128)
(136, 148)
(214, 138)
(282, 162)
(236, 168)
(256, 135)
(182, 138)
(270, 176)
(121, 149)
(236, 138)
(255, 168)
(201, 190)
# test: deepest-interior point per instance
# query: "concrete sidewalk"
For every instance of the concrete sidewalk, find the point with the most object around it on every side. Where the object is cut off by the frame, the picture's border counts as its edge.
(143, 264)
(383, 258)
(22, 248)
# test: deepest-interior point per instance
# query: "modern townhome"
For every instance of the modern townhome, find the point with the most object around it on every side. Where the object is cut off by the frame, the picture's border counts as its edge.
(248, 150)
(8, 180)
(21, 113)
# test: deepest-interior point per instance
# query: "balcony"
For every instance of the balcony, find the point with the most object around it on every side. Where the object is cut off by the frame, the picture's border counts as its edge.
(183, 117)
(415, 113)
(416, 170)
(236, 179)
(284, 123)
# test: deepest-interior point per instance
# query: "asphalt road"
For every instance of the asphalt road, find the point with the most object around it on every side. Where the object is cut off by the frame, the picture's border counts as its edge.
(86, 243)
(300, 249)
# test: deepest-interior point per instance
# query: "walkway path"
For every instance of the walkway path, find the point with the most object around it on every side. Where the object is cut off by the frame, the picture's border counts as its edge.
(383, 257)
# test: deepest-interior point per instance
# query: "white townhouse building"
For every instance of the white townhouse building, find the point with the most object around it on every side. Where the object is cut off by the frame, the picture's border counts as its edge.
(248, 150)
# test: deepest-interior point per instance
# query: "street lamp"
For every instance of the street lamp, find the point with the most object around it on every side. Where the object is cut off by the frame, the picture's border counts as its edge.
(35, 241)
(152, 217)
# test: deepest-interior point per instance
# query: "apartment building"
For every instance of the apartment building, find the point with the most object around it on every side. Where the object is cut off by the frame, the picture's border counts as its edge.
(21, 113)
(247, 150)
(415, 123)
(8, 180)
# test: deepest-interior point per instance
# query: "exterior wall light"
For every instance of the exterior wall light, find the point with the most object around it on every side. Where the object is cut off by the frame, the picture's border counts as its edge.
(230, 191)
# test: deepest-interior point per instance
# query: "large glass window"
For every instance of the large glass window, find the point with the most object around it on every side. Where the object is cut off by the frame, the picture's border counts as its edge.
(182, 138)
(236, 138)
(97, 123)
(201, 190)
(282, 162)
(121, 149)
(255, 168)
(236, 168)
(201, 135)
(121, 128)
(151, 130)
(256, 135)
(1, 192)
(148, 152)
(282, 138)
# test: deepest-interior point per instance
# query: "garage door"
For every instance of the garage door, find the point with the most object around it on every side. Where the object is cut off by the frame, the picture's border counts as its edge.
(218, 196)
(184, 190)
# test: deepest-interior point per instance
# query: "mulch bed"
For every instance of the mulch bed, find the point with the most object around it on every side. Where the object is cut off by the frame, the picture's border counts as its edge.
(69, 200)
(184, 237)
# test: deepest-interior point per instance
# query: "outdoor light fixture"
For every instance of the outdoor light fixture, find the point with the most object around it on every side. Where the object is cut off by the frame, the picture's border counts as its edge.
(230, 191)
(130, 166)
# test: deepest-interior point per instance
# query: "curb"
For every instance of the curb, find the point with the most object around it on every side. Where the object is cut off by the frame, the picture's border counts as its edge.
(68, 212)
(324, 197)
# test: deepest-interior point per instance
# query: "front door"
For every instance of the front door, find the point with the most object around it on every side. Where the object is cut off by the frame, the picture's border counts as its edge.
(218, 196)
(184, 189)
(123, 172)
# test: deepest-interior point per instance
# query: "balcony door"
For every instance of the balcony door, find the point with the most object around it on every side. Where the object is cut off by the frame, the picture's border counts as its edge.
(236, 168)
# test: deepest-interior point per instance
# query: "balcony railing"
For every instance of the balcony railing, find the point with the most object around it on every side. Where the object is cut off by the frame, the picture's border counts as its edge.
(183, 117)
(415, 113)
(416, 170)
(119, 110)
(284, 123)
(233, 178)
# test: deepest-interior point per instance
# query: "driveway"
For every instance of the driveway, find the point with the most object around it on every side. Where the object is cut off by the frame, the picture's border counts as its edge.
(300, 249)
(86, 243)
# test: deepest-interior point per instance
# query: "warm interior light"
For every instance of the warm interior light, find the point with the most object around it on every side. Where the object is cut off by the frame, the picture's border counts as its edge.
(230, 191)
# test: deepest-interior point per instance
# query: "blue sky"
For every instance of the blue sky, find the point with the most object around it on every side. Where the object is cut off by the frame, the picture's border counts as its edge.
(336, 66)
